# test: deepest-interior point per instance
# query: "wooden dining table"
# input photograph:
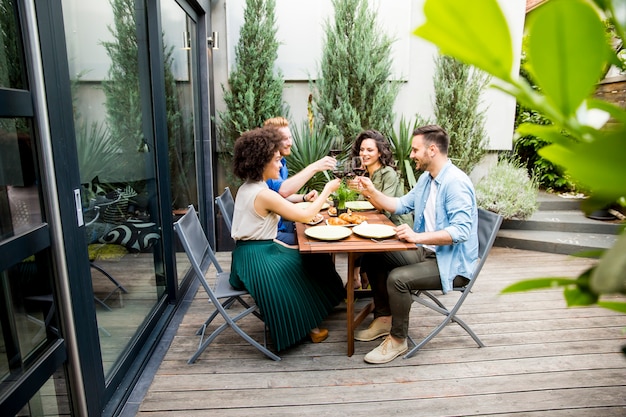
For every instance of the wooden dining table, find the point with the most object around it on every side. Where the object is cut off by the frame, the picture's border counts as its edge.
(354, 245)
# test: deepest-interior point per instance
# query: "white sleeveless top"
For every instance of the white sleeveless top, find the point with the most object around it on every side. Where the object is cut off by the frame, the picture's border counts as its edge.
(247, 223)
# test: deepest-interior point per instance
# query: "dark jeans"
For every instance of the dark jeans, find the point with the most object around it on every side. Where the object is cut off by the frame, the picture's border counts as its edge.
(393, 275)
(287, 232)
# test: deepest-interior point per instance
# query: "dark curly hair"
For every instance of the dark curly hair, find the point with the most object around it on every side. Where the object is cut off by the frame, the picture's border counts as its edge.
(384, 149)
(253, 150)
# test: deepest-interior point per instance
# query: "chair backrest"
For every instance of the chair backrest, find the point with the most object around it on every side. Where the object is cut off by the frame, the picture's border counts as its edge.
(488, 226)
(226, 205)
(196, 244)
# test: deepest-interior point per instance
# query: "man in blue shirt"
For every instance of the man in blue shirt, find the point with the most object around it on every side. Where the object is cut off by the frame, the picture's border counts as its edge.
(445, 232)
(289, 187)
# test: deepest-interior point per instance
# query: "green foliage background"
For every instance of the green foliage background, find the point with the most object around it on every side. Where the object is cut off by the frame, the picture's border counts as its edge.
(354, 91)
(255, 87)
(458, 91)
(567, 53)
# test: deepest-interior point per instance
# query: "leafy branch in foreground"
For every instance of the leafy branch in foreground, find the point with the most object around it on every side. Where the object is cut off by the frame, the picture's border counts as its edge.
(567, 54)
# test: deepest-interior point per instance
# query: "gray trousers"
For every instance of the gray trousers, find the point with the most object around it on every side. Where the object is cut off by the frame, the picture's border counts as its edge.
(393, 275)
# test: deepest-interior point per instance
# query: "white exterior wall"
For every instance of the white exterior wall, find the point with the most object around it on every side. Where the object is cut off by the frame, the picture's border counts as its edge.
(300, 32)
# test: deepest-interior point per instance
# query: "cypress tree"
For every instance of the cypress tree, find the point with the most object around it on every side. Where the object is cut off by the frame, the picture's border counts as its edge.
(354, 91)
(255, 87)
(458, 89)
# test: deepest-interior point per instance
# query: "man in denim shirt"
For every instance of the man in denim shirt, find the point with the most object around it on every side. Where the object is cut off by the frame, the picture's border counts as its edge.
(445, 231)
(288, 187)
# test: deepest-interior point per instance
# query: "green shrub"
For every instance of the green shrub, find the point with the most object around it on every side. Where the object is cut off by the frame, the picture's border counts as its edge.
(508, 190)
(458, 91)
(354, 91)
(309, 145)
(255, 92)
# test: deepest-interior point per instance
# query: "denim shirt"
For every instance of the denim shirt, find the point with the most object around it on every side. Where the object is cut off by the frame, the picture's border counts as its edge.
(274, 184)
(456, 213)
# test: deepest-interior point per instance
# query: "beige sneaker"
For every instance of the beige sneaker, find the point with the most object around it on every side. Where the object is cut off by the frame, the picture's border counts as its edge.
(376, 329)
(386, 352)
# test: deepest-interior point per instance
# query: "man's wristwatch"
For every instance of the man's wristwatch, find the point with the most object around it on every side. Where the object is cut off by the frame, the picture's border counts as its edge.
(304, 198)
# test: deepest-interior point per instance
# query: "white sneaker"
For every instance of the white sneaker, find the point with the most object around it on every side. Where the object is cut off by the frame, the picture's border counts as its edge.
(386, 351)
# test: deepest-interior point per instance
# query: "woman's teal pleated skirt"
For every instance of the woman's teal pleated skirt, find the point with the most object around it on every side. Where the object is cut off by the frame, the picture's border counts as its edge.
(294, 292)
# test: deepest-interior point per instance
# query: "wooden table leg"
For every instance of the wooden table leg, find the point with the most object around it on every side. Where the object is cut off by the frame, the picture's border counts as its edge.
(350, 302)
(353, 322)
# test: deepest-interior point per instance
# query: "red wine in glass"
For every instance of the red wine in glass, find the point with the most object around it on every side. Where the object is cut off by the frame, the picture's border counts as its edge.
(357, 166)
(336, 145)
(339, 173)
(334, 153)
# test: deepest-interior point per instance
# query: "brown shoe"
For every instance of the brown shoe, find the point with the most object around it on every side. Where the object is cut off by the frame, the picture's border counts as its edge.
(320, 336)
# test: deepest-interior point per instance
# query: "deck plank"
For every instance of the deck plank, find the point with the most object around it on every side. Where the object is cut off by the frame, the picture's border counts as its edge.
(541, 359)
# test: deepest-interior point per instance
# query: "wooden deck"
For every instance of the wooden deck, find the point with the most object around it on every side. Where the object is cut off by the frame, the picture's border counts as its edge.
(540, 359)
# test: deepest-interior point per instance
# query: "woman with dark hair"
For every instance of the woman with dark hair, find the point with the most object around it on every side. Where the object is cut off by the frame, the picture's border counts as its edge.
(375, 152)
(294, 292)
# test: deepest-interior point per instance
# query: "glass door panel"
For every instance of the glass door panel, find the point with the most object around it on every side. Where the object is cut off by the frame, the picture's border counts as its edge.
(179, 37)
(117, 168)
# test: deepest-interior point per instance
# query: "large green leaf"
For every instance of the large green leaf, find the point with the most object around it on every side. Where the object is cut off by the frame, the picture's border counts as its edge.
(609, 276)
(566, 51)
(599, 164)
(613, 305)
(475, 32)
(539, 283)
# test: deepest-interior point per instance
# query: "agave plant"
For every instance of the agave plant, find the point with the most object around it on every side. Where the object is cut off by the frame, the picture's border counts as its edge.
(401, 147)
(98, 152)
(309, 145)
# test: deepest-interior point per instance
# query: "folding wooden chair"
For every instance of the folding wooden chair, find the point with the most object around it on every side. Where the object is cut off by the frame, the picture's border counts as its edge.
(488, 226)
(226, 205)
(201, 256)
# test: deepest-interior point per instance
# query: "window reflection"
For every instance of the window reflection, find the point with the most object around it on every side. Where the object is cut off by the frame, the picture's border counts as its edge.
(20, 208)
(116, 159)
(11, 70)
(28, 314)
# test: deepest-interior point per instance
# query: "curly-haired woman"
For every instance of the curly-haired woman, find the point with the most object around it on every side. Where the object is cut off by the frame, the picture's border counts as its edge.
(294, 292)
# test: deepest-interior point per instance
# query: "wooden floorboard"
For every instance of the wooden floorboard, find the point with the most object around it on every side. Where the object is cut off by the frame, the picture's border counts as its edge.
(541, 359)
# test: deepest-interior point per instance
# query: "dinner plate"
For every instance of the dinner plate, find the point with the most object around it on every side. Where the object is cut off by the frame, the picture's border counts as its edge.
(317, 219)
(305, 204)
(376, 231)
(359, 205)
(328, 232)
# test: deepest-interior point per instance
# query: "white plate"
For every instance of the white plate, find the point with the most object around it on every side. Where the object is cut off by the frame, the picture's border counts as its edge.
(359, 205)
(317, 219)
(376, 231)
(328, 232)
(305, 204)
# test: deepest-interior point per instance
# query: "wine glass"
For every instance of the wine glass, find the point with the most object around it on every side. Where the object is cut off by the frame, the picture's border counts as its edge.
(336, 146)
(341, 169)
(357, 166)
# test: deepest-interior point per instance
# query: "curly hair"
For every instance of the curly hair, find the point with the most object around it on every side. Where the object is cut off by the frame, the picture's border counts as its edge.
(384, 149)
(253, 150)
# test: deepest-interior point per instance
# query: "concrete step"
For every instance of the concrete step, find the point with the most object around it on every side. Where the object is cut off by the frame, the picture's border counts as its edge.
(563, 221)
(567, 243)
(548, 201)
(559, 226)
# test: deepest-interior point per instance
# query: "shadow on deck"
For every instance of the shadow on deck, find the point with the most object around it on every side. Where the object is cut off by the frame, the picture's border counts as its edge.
(540, 359)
